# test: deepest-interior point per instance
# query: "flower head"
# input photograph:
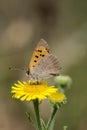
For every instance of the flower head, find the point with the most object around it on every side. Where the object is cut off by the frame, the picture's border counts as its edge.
(57, 97)
(31, 90)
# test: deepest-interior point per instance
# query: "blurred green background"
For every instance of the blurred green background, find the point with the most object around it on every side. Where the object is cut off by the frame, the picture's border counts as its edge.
(64, 25)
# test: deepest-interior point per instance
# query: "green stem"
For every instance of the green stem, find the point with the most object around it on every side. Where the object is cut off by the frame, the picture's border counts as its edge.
(50, 123)
(36, 108)
(65, 127)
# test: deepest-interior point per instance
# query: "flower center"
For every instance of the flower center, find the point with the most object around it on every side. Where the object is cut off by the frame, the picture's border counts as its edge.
(35, 82)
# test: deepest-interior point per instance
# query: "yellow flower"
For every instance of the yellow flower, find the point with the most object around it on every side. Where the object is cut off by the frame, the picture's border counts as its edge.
(31, 90)
(58, 97)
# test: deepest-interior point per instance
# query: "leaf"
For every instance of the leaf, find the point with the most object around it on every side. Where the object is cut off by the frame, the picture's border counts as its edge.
(29, 117)
(43, 125)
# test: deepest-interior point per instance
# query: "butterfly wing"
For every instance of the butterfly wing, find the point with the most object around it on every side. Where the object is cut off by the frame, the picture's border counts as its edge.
(46, 67)
(41, 50)
(43, 43)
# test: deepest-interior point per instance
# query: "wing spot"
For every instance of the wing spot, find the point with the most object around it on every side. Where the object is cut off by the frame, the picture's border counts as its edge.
(47, 50)
(36, 56)
(54, 74)
(39, 50)
(42, 55)
(35, 60)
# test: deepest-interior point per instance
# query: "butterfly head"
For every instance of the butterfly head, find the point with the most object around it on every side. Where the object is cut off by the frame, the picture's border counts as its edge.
(28, 72)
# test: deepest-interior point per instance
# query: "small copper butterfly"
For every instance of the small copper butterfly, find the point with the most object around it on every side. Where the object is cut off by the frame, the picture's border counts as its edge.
(43, 63)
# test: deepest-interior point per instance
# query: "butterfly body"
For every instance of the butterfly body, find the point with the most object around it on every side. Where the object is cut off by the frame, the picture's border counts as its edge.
(43, 63)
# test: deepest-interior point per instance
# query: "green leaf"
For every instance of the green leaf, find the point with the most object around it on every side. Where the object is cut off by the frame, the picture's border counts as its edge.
(29, 117)
(43, 125)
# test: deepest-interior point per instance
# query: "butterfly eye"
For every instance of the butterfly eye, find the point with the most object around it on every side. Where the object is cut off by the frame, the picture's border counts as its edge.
(27, 72)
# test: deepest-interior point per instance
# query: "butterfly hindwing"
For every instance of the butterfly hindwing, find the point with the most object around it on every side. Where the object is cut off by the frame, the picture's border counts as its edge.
(46, 67)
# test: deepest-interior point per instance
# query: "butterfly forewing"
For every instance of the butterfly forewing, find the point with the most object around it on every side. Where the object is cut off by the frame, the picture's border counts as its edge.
(40, 52)
(43, 43)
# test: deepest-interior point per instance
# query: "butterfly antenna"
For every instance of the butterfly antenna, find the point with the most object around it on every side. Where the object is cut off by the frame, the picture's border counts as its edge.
(19, 69)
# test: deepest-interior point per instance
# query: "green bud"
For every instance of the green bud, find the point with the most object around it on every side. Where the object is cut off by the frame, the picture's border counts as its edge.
(63, 81)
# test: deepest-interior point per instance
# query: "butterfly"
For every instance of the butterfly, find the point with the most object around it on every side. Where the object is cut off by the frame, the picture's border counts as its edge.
(43, 63)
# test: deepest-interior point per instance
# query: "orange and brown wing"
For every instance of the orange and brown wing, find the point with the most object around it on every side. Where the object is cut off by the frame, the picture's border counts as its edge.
(41, 51)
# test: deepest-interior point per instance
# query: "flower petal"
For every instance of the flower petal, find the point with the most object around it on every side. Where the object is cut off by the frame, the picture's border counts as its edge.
(30, 90)
(57, 97)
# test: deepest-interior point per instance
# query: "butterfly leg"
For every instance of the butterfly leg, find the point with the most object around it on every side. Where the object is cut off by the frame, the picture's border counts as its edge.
(38, 81)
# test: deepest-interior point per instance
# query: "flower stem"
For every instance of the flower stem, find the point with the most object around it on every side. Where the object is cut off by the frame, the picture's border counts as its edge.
(36, 108)
(50, 123)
